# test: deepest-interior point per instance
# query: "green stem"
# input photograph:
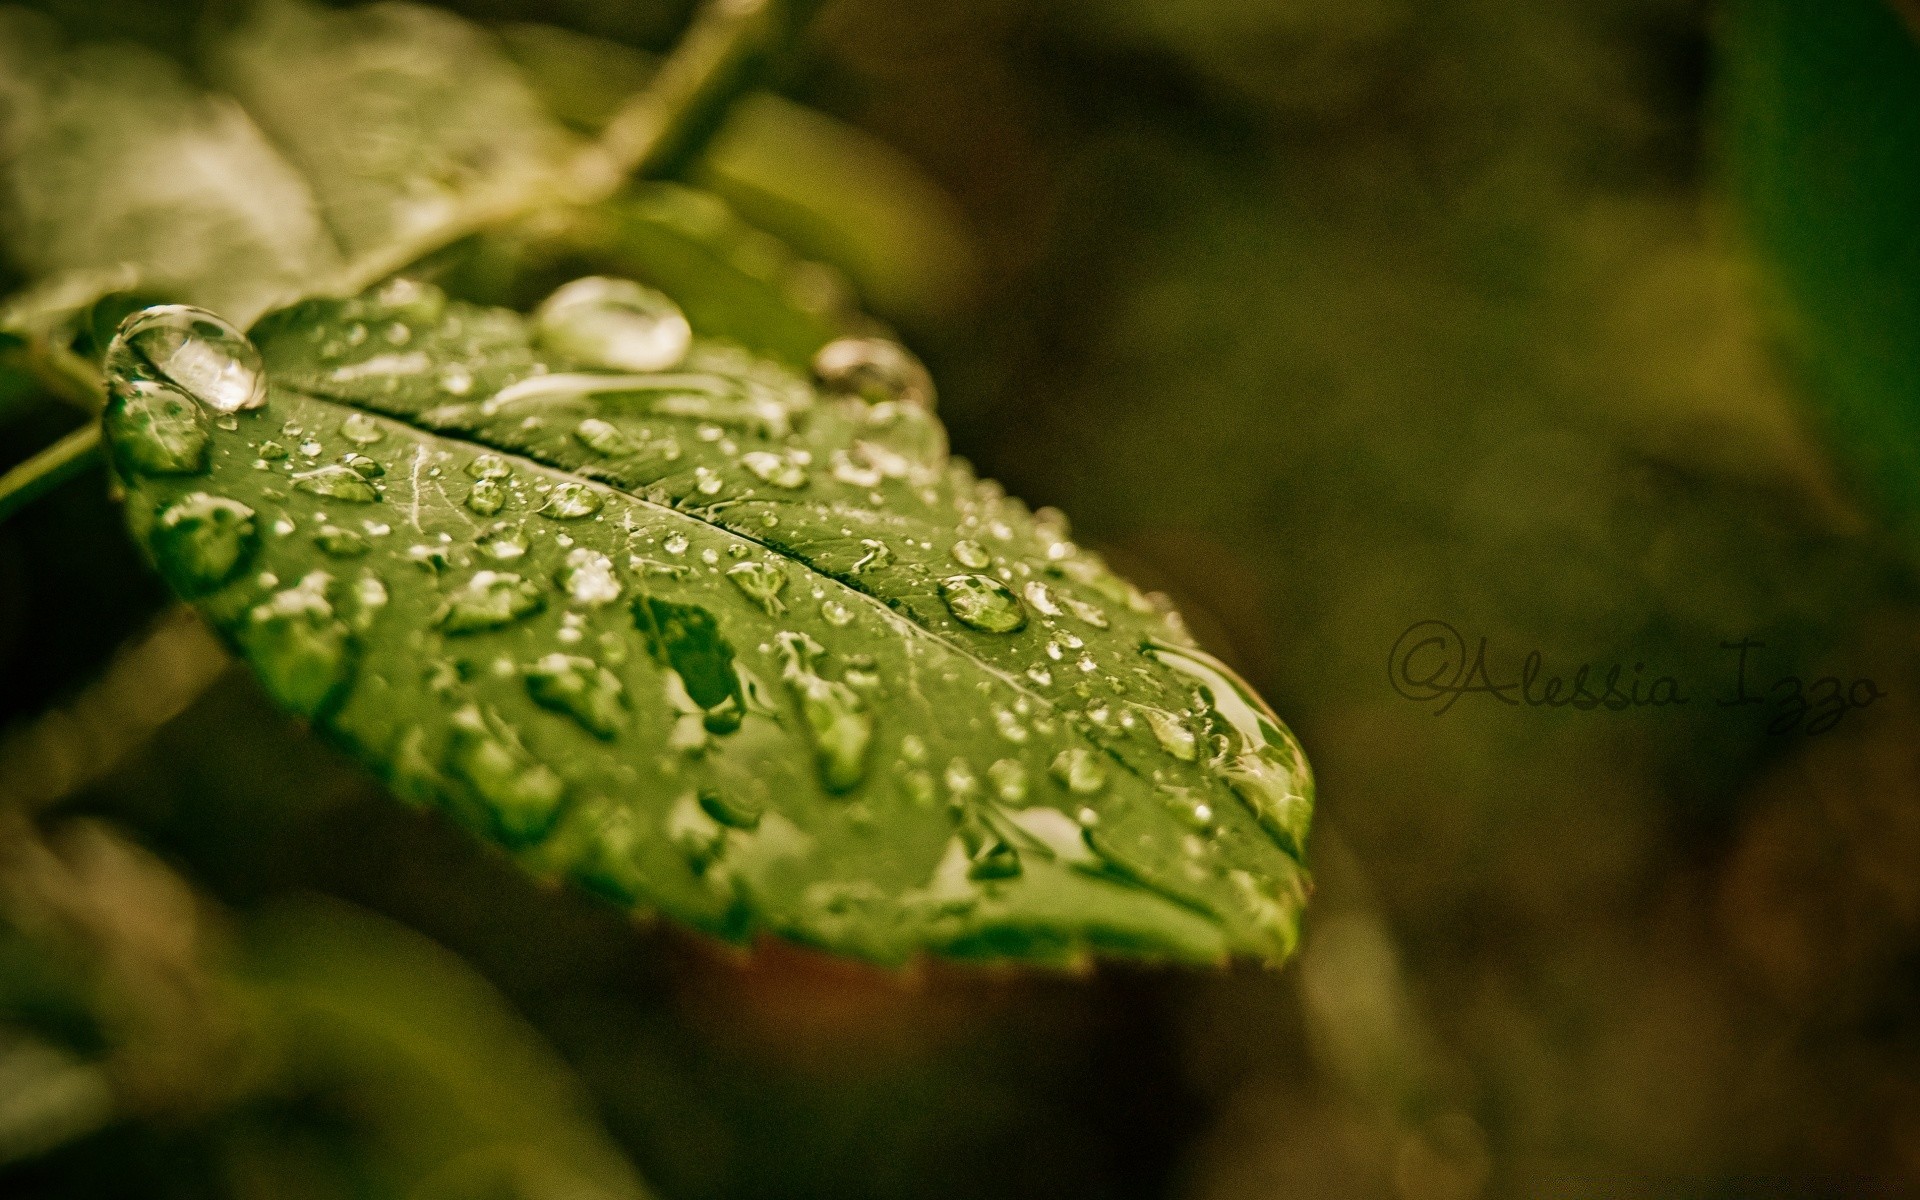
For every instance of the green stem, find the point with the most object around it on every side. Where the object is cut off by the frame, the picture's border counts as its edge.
(49, 469)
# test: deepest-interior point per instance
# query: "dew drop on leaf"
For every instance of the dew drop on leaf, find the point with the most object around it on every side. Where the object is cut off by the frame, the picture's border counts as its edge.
(195, 351)
(489, 600)
(340, 543)
(571, 501)
(875, 369)
(762, 583)
(486, 497)
(360, 429)
(302, 652)
(1079, 770)
(971, 554)
(836, 719)
(603, 437)
(615, 324)
(337, 482)
(582, 689)
(1009, 779)
(488, 466)
(522, 794)
(588, 577)
(983, 603)
(202, 541)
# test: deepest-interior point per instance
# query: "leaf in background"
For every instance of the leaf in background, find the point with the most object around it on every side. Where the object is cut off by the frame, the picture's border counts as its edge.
(704, 637)
(1820, 120)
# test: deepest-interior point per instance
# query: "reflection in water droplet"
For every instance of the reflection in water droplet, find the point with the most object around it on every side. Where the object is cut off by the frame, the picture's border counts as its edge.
(336, 482)
(1079, 770)
(340, 543)
(613, 323)
(762, 583)
(521, 794)
(603, 437)
(1266, 769)
(836, 719)
(361, 429)
(202, 541)
(156, 429)
(489, 600)
(571, 501)
(302, 654)
(192, 349)
(971, 554)
(582, 689)
(486, 497)
(983, 603)
(875, 369)
(589, 578)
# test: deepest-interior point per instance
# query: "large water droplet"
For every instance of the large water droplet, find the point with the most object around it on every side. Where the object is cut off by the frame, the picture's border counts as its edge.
(337, 482)
(1079, 770)
(983, 603)
(762, 583)
(156, 429)
(1266, 768)
(571, 501)
(589, 578)
(582, 689)
(489, 600)
(202, 541)
(837, 722)
(875, 369)
(301, 652)
(613, 323)
(192, 349)
(522, 794)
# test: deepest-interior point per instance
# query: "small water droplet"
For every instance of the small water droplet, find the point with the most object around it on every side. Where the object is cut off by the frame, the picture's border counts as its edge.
(589, 578)
(1079, 770)
(365, 467)
(361, 429)
(582, 689)
(613, 323)
(488, 466)
(192, 350)
(336, 482)
(777, 469)
(835, 613)
(676, 544)
(707, 481)
(202, 541)
(1009, 779)
(983, 603)
(503, 542)
(875, 369)
(1010, 726)
(340, 543)
(762, 583)
(369, 597)
(272, 451)
(604, 437)
(489, 600)
(302, 653)
(971, 554)
(486, 497)
(836, 719)
(1089, 613)
(571, 501)
(522, 794)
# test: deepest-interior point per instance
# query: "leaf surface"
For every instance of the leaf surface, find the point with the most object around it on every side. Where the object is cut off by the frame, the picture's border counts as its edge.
(713, 639)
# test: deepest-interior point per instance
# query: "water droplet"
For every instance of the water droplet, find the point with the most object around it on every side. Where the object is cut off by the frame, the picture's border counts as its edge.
(486, 497)
(960, 780)
(302, 654)
(489, 600)
(676, 544)
(707, 481)
(589, 578)
(272, 451)
(336, 482)
(361, 429)
(202, 541)
(613, 323)
(1089, 613)
(983, 603)
(777, 469)
(571, 501)
(731, 811)
(1009, 779)
(582, 689)
(836, 719)
(762, 583)
(603, 437)
(489, 466)
(156, 429)
(835, 613)
(875, 369)
(365, 467)
(341, 543)
(522, 794)
(1266, 769)
(1079, 770)
(1010, 726)
(192, 350)
(971, 554)
(503, 542)
(369, 597)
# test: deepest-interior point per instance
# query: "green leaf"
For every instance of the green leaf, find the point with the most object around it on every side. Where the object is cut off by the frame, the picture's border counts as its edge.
(704, 636)
(1820, 120)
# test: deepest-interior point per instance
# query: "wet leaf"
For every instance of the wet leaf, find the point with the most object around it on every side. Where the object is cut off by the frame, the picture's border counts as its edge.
(719, 639)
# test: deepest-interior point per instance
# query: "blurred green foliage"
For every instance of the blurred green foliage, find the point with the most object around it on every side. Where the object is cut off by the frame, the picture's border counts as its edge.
(1328, 318)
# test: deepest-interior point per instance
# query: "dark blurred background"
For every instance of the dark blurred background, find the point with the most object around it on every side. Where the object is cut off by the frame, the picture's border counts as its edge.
(1327, 317)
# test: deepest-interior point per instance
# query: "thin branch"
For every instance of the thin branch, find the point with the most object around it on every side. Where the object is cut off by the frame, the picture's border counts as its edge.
(49, 469)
